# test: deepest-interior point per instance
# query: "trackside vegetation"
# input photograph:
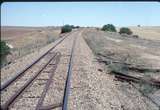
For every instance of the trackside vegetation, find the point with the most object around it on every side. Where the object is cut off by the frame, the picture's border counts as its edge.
(109, 27)
(125, 30)
(68, 28)
(4, 51)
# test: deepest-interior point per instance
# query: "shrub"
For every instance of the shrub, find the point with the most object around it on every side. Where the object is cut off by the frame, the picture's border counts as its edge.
(77, 27)
(109, 27)
(66, 28)
(72, 26)
(135, 36)
(5, 50)
(97, 29)
(138, 25)
(125, 30)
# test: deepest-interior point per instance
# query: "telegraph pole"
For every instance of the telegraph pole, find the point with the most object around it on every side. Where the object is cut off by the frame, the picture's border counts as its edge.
(63, 22)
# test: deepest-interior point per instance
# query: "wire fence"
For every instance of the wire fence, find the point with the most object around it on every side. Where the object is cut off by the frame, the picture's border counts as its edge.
(19, 52)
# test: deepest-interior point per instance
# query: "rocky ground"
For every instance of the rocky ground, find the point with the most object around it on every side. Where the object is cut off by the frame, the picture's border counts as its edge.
(91, 87)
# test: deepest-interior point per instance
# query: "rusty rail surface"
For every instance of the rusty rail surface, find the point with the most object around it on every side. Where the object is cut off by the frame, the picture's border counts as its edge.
(66, 90)
(29, 82)
(67, 84)
(135, 79)
(143, 94)
(132, 79)
(19, 74)
(49, 81)
(21, 90)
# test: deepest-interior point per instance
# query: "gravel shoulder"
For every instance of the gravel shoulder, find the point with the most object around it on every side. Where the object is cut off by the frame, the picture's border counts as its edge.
(93, 89)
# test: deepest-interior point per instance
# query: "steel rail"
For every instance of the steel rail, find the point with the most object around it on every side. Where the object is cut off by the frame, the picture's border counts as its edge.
(50, 107)
(19, 74)
(126, 77)
(131, 79)
(143, 94)
(67, 84)
(49, 81)
(6, 105)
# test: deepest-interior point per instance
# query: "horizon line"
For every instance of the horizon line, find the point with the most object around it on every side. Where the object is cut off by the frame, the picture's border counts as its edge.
(74, 25)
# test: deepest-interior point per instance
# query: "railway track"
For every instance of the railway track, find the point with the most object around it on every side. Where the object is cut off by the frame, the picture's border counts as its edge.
(126, 77)
(28, 76)
(7, 83)
(132, 79)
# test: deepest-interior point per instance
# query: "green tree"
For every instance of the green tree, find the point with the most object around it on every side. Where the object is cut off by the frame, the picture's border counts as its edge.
(77, 27)
(5, 50)
(125, 30)
(109, 27)
(66, 28)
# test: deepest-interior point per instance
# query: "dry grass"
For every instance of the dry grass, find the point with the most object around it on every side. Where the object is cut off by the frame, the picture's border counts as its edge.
(127, 55)
(147, 32)
(123, 49)
(27, 39)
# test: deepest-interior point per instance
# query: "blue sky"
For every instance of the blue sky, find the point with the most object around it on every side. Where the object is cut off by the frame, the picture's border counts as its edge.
(80, 13)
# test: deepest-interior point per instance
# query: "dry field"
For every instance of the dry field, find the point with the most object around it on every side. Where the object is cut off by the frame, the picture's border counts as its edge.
(137, 57)
(26, 40)
(147, 32)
